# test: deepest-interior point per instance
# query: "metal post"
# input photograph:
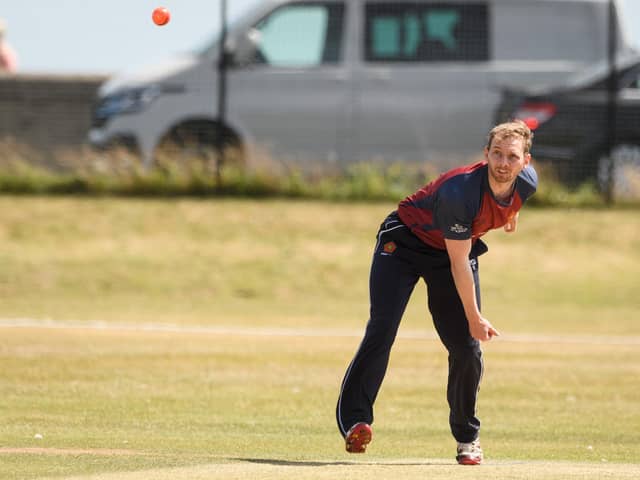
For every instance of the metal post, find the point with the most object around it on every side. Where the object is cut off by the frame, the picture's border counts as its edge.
(222, 90)
(612, 104)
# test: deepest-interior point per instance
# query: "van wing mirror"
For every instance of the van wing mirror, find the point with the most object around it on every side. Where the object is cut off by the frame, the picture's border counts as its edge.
(244, 49)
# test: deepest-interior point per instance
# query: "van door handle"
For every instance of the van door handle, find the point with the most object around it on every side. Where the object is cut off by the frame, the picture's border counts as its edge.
(341, 77)
(381, 76)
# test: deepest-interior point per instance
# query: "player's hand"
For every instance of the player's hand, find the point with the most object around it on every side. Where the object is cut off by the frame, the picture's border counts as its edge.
(512, 224)
(482, 330)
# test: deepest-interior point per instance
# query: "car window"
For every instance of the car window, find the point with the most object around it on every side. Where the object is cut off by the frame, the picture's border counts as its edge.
(414, 32)
(301, 35)
(627, 78)
(631, 79)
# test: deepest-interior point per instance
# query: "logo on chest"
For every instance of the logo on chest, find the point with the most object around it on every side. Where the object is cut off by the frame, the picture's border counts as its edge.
(457, 228)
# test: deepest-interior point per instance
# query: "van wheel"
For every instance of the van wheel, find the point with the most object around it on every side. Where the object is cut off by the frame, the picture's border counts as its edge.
(194, 145)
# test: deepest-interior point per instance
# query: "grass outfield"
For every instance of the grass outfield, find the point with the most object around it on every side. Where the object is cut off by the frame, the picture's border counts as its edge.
(211, 405)
(295, 264)
(152, 339)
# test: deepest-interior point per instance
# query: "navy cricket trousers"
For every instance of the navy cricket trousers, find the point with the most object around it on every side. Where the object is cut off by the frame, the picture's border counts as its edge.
(400, 259)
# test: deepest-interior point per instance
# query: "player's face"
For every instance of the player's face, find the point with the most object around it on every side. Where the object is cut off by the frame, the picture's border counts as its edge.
(506, 159)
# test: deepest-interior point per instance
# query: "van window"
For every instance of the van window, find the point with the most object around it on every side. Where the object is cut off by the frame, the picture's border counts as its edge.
(301, 35)
(414, 32)
(544, 31)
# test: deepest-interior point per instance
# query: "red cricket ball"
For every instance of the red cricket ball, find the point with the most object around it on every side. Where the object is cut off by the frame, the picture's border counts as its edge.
(161, 16)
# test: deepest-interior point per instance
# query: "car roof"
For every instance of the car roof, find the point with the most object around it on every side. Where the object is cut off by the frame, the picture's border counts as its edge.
(600, 70)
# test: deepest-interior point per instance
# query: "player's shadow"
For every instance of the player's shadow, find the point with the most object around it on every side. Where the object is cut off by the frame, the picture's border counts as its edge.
(302, 463)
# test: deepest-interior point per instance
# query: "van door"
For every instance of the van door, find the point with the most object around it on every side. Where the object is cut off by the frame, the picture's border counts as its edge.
(292, 98)
(423, 81)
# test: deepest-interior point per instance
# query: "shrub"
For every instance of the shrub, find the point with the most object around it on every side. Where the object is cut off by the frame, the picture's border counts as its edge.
(118, 172)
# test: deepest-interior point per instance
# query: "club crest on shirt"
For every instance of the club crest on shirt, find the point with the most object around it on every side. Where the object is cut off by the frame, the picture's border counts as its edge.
(389, 247)
(457, 228)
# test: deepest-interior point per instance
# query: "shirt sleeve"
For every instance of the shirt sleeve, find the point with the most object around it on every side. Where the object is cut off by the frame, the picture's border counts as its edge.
(451, 214)
(527, 183)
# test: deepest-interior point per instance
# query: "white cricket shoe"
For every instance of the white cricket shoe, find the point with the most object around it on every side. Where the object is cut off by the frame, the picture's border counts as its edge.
(469, 453)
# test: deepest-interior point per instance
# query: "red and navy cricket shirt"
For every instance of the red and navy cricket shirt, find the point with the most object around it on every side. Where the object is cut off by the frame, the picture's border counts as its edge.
(459, 205)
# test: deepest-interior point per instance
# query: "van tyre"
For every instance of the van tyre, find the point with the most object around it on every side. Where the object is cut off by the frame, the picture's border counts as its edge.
(196, 145)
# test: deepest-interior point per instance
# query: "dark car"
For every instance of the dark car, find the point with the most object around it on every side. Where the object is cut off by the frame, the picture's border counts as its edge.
(572, 128)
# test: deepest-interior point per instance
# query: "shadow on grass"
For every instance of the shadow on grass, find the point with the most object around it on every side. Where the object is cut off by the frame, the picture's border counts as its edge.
(313, 463)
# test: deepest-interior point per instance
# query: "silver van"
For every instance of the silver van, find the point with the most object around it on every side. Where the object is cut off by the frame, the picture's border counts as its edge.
(336, 81)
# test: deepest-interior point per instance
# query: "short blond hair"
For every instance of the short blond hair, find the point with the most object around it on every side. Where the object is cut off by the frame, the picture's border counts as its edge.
(515, 128)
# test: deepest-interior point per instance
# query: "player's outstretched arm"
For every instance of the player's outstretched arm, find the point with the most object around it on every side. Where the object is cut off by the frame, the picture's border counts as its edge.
(479, 327)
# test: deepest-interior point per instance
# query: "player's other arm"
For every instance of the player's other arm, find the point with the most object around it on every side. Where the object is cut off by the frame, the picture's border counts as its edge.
(512, 224)
(527, 185)
(458, 251)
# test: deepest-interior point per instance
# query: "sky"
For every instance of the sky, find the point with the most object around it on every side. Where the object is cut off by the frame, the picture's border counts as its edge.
(98, 37)
(106, 37)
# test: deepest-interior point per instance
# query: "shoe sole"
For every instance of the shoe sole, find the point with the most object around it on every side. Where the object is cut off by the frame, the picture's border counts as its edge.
(465, 460)
(358, 438)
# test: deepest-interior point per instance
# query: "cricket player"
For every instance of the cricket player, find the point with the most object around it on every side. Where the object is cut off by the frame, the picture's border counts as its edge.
(435, 235)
